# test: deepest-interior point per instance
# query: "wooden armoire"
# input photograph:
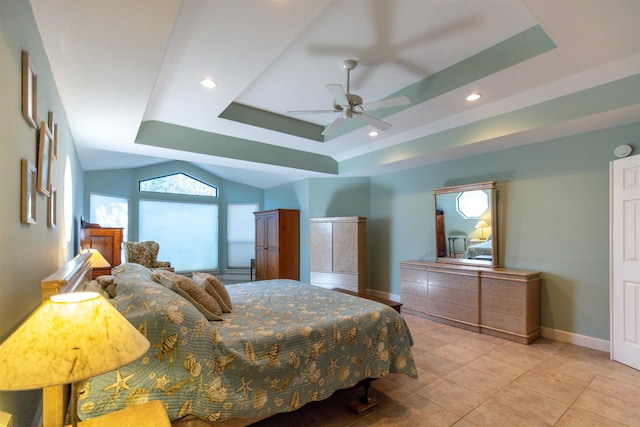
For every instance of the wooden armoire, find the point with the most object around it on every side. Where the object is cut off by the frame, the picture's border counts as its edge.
(108, 241)
(339, 252)
(278, 244)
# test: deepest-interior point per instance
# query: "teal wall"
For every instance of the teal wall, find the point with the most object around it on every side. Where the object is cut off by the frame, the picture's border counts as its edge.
(124, 183)
(553, 217)
(29, 253)
(317, 197)
(339, 197)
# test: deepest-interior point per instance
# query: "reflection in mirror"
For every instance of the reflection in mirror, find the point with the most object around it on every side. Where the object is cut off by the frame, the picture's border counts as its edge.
(466, 224)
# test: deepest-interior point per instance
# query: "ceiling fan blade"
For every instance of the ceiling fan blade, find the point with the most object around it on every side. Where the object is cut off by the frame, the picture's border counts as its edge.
(338, 94)
(313, 111)
(376, 123)
(333, 126)
(386, 103)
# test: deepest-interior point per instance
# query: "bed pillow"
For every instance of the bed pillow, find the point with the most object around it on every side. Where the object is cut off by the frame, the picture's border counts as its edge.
(93, 286)
(215, 288)
(131, 268)
(189, 290)
(107, 283)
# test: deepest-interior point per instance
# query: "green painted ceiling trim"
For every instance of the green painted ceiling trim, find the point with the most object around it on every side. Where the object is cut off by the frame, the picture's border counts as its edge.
(606, 97)
(525, 45)
(166, 135)
(518, 48)
(276, 122)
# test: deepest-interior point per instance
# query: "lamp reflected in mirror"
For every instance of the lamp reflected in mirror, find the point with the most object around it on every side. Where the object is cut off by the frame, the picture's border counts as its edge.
(481, 225)
(466, 224)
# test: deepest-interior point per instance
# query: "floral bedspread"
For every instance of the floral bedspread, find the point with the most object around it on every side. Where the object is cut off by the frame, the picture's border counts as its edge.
(286, 343)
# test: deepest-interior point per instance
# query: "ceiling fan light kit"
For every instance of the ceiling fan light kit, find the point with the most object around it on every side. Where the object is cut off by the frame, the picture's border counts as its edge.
(350, 105)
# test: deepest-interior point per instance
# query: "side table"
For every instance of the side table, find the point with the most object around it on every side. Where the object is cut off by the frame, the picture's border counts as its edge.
(453, 251)
(149, 414)
(393, 304)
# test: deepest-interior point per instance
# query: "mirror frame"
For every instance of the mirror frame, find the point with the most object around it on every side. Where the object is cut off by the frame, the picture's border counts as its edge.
(492, 187)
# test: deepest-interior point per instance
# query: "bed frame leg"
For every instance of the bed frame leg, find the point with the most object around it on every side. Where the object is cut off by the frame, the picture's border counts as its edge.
(365, 402)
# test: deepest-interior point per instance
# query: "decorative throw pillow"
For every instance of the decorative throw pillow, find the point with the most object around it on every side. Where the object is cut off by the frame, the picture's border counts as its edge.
(105, 280)
(189, 290)
(215, 288)
(94, 286)
(108, 284)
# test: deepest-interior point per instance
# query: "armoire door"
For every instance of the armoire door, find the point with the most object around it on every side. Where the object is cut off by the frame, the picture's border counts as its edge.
(273, 247)
(625, 261)
(261, 248)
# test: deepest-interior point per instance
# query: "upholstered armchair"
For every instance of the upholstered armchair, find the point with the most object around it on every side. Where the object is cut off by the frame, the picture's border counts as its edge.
(145, 253)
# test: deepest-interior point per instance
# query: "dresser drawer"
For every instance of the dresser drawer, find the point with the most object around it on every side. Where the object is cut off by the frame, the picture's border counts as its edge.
(454, 281)
(409, 274)
(453, 311)
(464, 297)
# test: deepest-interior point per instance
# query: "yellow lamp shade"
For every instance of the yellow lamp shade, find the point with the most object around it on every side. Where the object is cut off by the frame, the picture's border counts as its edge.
(70, 337)
(97, 260)
(481, 224)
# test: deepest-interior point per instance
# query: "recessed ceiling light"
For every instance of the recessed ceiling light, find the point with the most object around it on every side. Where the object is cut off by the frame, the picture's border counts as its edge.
(373, 133)
(208, 83)
(473, 97)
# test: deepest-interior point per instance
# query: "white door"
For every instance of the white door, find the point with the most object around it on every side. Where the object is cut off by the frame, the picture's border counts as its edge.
(625, 261)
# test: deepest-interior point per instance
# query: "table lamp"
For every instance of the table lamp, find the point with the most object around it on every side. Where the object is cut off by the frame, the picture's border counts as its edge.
(69, 338)
(97, 260)
(482, 225)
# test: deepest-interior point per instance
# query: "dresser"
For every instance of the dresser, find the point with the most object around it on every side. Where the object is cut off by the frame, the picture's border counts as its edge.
(496, 301)
(338, 250)
(108, 241)
(277, 244)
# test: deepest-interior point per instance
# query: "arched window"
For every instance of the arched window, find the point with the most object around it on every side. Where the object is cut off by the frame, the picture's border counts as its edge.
(186, 228)
(178, 183)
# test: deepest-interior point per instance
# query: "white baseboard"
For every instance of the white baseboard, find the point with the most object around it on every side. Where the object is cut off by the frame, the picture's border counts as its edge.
(577, 339)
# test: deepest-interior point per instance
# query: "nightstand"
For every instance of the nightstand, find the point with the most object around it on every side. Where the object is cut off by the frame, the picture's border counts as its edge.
(476, 241)
(393, 304)
(150, 414)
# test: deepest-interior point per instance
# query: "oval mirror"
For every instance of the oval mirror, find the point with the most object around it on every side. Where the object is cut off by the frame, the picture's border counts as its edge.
(466, 224)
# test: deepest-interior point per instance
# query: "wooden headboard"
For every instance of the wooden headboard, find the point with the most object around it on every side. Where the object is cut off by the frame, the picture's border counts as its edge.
(67, 278)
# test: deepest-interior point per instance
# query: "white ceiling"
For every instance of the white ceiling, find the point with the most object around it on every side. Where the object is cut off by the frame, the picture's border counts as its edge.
(119, 63)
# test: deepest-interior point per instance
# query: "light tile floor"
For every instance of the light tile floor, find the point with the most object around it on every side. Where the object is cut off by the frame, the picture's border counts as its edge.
(471, 379)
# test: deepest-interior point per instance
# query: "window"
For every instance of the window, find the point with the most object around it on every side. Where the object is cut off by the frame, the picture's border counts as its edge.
(178, 183)
(187, 232)
(241, 234)
(109, 211)
(472, 204)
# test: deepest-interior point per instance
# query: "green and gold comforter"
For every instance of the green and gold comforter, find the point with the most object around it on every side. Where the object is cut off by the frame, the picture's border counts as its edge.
(285, 343)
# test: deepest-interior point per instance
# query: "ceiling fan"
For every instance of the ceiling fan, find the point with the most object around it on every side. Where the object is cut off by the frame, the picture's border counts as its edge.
(350, 105)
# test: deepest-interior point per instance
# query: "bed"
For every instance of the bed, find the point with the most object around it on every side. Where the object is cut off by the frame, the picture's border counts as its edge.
(480, 251)
(285, 343)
